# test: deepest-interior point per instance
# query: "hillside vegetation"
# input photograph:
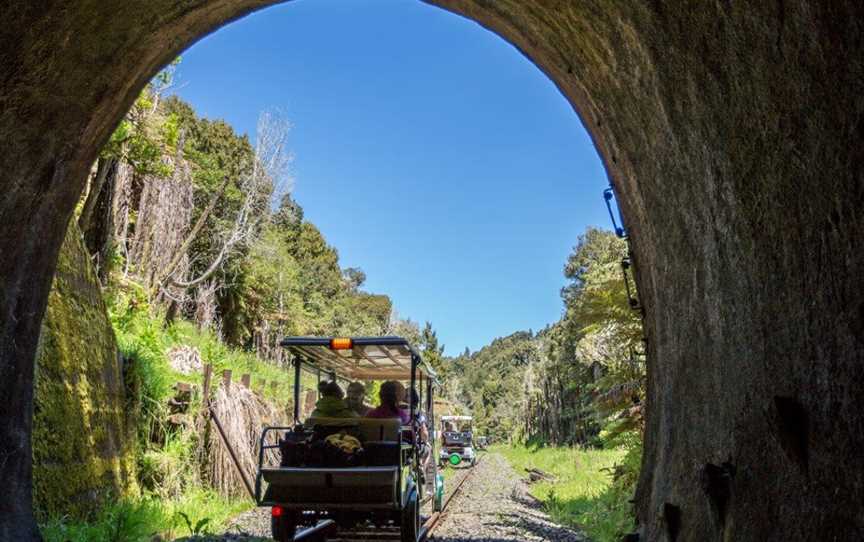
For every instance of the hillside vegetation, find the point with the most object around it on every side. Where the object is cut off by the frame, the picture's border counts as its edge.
(203, 257)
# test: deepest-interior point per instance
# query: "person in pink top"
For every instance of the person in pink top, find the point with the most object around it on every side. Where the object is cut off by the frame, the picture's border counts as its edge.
(389, 407)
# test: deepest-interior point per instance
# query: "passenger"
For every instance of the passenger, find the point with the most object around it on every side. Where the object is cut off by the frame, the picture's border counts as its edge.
(403, 396)
(331, 404)
(389, 407)
(354, 400)
(422, 431)
(422, 421)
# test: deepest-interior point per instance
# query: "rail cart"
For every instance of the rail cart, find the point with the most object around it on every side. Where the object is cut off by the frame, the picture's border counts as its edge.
(457, 444)
(383, 485)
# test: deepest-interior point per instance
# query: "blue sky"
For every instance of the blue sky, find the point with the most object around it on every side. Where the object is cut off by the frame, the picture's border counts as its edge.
(429, 152)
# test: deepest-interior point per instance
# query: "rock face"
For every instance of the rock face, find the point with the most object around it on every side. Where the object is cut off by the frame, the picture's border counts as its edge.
(82, 441)
(732, 132)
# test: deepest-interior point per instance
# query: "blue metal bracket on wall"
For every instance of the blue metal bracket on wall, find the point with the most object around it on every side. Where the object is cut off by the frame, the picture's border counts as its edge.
(626, 263)
(608, 196)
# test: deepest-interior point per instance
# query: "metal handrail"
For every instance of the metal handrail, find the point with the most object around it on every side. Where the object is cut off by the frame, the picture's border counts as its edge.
(261, 448)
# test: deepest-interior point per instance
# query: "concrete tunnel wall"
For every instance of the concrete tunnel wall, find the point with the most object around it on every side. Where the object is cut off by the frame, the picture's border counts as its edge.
(732, 132)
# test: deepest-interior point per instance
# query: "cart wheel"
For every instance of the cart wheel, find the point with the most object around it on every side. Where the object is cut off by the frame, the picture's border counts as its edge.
(410, 524)
(284, 527)
(439, 493)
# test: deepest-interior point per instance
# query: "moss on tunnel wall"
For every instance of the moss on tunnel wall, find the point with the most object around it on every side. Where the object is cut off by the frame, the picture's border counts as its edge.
(83, 442)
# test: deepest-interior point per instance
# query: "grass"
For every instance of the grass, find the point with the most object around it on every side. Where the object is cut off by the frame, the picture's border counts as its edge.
(584, 495)
(205, 504)
(140, 332)
(140, 520)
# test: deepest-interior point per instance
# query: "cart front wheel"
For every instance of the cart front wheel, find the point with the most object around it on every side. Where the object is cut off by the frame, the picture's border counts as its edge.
(410, 524)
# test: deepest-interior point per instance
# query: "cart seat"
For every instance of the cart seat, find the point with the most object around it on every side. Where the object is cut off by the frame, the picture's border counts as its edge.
(360, 487)
(369, 429)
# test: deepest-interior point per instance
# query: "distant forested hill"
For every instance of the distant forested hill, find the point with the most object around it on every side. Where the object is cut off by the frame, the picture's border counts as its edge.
(580, 379)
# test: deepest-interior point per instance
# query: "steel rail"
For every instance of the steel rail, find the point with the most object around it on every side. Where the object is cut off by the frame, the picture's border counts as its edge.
(425, 529)
(310, 532)
(433, 520)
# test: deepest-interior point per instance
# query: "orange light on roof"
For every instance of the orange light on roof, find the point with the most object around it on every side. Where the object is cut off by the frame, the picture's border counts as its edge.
(340, 343)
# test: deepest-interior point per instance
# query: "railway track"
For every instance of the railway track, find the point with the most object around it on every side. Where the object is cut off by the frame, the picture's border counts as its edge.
(325, 531)
(433, 520)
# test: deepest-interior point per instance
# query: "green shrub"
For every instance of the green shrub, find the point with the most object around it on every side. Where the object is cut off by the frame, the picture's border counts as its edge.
(123, 521)
(143, 519)
(142, 335)
(171, 469)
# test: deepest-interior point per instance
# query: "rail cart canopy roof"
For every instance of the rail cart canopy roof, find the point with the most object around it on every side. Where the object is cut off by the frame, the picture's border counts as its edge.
(359, 358)
(456, 418)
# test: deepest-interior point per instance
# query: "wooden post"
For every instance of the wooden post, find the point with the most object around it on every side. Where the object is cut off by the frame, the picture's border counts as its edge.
(205, 408)
(246, 380)
(208, 373)
(226, 379)
(263, 385)
(297, 390)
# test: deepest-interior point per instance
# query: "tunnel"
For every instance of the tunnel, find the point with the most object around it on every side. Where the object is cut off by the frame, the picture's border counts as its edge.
(732, 133)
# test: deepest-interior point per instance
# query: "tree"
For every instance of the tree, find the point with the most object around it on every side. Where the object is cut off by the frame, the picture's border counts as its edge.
(267, 181)
(354, 277)
(433, 353)
(289, 214)
(602, 330)
(293, 263)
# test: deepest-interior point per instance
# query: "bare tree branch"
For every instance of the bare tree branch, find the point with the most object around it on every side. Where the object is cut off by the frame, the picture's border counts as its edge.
(265, 185)
(196, 229)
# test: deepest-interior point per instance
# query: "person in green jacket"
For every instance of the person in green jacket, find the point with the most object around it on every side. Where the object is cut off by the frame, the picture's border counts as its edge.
(331, 403)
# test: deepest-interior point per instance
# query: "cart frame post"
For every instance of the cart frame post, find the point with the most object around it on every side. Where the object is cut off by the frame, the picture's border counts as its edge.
(296, 390)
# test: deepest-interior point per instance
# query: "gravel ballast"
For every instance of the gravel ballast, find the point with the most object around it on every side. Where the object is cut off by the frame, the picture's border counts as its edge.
(494, 506)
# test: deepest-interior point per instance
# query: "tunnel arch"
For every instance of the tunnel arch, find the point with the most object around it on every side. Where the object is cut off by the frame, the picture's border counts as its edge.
(733, 135)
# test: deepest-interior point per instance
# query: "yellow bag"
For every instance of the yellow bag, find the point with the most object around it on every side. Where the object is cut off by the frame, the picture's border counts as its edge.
(344, 442)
